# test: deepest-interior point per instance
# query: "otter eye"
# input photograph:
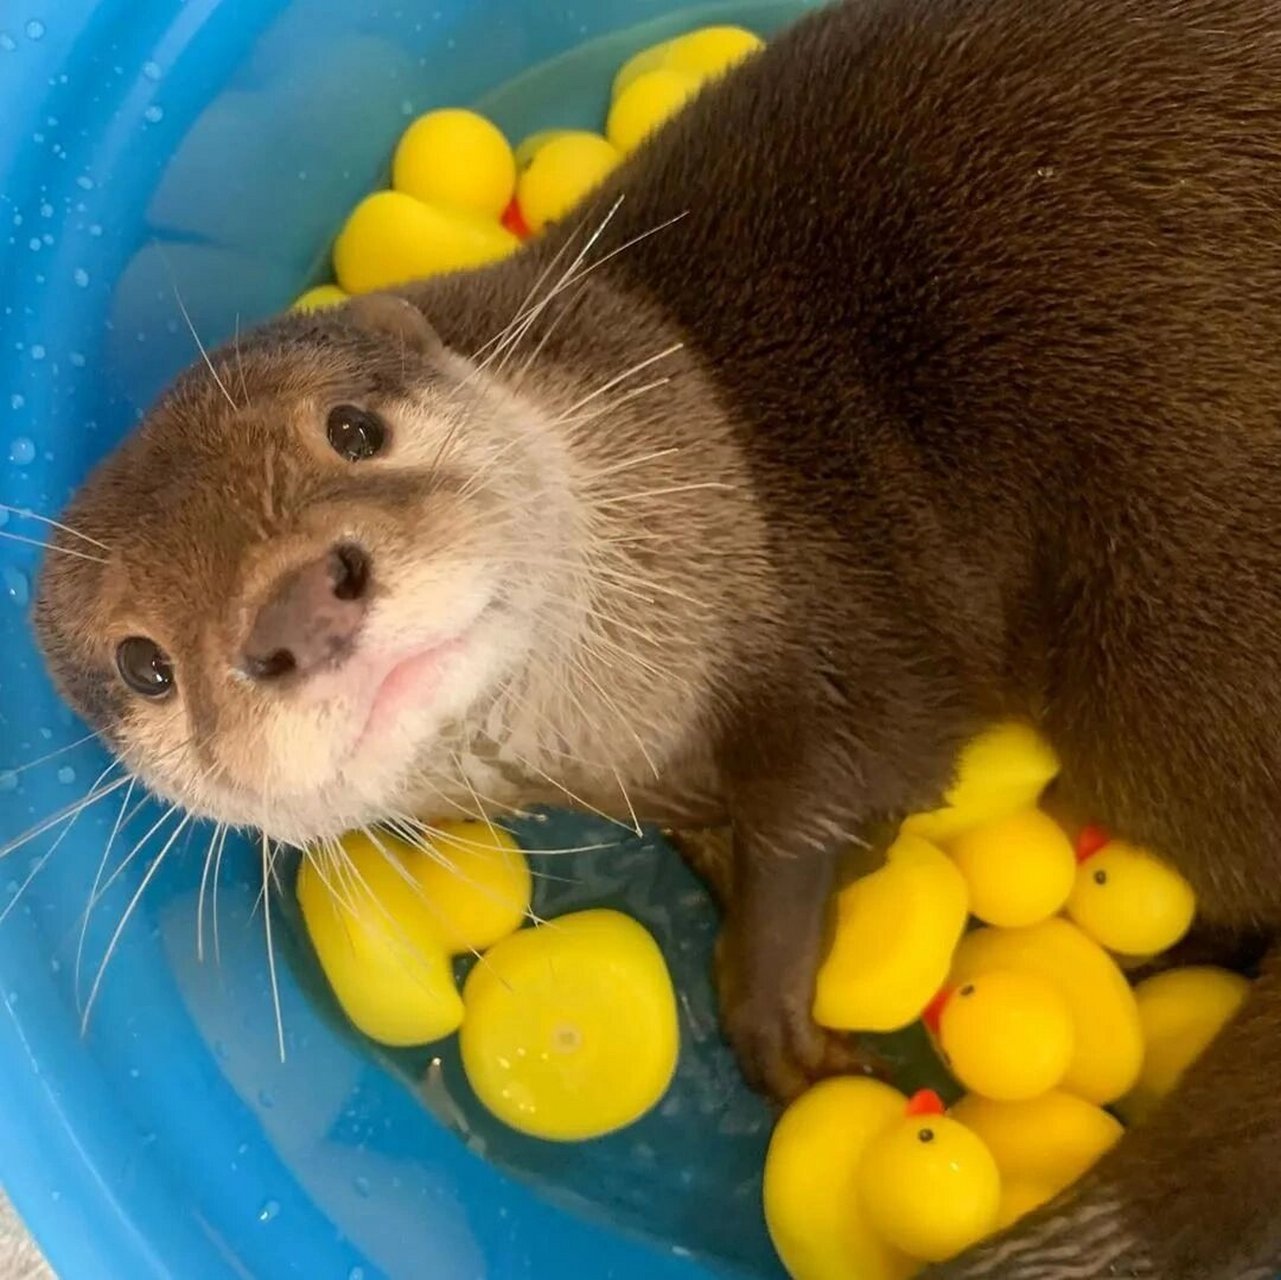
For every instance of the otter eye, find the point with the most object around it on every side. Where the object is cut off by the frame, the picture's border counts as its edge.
(144, 667)
(355, 434)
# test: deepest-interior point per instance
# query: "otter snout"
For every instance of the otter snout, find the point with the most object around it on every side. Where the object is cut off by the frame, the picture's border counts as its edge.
(311, 618)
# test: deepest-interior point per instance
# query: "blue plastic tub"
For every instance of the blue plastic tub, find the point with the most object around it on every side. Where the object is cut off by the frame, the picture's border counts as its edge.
(148, 146)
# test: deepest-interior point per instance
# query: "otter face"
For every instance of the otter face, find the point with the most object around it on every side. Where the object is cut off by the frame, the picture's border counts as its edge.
(318, 566)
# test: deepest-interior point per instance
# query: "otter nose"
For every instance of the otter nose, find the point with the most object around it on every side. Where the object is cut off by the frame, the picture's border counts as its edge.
(311, 619)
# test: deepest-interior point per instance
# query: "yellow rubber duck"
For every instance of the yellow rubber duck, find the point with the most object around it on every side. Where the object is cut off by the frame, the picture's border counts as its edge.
(1126, 898)
(928, 1184)
(1005, 1034)
(319, 297)
(1040, 1145)
(385, 918)
(564, 167)
(1107, 1050)
(457, 160)
(703, 54)
(892, 942)
(570, 1029)
(813, 1206)
(391, 238)
(1180, 1012)
(1019, 867)
(1004, 769)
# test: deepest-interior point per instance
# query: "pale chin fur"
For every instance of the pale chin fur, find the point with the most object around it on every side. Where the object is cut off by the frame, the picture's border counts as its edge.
(323, 773)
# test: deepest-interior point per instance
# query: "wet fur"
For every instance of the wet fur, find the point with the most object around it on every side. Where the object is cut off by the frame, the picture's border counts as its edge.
(983, 336)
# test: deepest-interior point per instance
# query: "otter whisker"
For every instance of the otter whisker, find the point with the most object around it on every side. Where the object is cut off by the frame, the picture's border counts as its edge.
(93, 889)
(427, 840)
(63, 815)
(124, 865)
(52, 755)
(27, 514)
(578, 280)
(217, 875)
(53, 546)
(619, 377)
(200, 346)
(577, 799)
(614, 405)
(240, 367)
(510, 343)
(268, 869)
(39, 864)
(219, 828)
(693, 487)
(127, 915)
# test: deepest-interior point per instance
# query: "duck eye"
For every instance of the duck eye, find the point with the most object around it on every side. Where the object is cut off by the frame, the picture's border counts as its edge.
(1100, 877)
(143, 667)
(355, 434)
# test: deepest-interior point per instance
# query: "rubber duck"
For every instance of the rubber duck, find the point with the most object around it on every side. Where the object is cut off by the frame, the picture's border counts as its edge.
(1107, 1047)
(928, 1184)
(1126, 898)
(391, 238)
(1040, 1145)
(892, 940)
(710, 51)
(703, 54)
(649, 100)
(455, 160)
(385, 919)
(1019, 868)
(1004, 1034)
(813, 1208)
(319, 297)
(1180, 1012)
(562, 171)
(570, 1028)
(1004, 769)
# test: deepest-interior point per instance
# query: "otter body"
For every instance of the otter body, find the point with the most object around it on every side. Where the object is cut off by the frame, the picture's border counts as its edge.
(925, 371)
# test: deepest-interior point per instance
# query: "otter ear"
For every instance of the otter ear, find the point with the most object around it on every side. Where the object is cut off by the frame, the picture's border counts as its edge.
(392, 316)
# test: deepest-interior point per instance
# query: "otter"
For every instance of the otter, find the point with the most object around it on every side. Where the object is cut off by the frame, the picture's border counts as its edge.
(925, 371)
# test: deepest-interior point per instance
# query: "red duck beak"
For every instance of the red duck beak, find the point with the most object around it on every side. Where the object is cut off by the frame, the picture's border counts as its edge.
(925, 1102)
(932, 1014)
(1090, 840)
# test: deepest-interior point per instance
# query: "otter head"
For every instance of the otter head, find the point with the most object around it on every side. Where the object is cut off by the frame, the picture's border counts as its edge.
(324, 550)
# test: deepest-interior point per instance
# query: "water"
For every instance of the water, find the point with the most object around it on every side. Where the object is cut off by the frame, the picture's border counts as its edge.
(16, 585)
(22, 451)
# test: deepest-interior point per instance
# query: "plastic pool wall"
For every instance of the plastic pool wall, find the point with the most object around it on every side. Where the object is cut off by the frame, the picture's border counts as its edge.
(151, 148)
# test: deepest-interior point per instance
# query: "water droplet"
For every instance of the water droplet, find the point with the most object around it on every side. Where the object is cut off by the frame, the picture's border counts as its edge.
(47, 238)
(95, 229)
(66, 775)
(55, 965)
(16, 401)
(16, 586)
(406, 107)
(77, 360)
(35, 29)
(356, 1273)
(7, 42)
(361, 1186)
(269, 1210)
(84, 182)
(154, 114)
(151, 70)
(242, 1149)
(81, 277)
(34, 244)
(22, 451)
(265, 1099)
(55, 1195)
(46, 210)
(8, 780)
(134, 1073)
(38, 352)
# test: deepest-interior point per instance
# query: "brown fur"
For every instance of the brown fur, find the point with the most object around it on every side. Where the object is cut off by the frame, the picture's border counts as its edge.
(983, 341)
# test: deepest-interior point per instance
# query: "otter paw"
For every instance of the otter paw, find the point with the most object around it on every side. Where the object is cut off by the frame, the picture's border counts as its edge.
(780, 1048)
